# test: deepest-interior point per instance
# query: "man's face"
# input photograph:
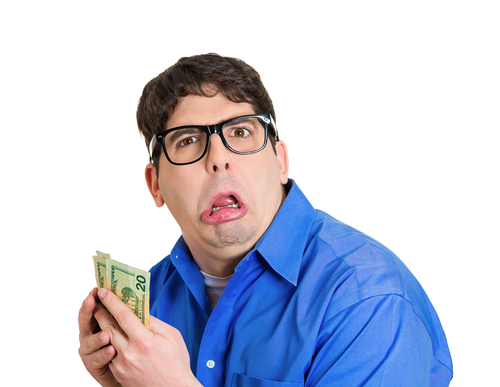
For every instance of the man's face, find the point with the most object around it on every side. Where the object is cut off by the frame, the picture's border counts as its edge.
(224, 202)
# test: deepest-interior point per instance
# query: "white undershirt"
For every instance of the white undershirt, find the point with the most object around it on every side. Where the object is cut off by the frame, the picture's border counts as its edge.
(214, 286)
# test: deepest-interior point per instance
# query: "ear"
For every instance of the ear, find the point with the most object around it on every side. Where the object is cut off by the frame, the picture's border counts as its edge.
(282, 155)
(153, 185)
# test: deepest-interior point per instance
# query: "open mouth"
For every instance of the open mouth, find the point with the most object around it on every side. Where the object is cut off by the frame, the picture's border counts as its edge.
(234, 205)
(225, 201)
(225, 208)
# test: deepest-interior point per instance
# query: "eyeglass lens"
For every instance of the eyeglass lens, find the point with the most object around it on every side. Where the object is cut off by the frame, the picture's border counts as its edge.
(245, 134)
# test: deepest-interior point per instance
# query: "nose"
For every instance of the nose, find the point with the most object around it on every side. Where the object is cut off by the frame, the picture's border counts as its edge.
(218, 157)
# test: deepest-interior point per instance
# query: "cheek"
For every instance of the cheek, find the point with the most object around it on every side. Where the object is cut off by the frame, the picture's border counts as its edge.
(177, 195)
(177, 186)
(264, 178)
(181, 207)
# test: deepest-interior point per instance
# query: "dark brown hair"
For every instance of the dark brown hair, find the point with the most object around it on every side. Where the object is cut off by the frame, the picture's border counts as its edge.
(202, 75)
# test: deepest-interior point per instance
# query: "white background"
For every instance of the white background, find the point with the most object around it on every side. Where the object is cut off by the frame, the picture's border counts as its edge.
(390, 110)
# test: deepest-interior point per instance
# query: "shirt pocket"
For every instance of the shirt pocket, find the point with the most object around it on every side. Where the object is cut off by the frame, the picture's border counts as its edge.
(240, 380)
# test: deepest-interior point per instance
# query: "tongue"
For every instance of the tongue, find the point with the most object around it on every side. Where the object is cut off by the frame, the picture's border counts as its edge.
(225, 201)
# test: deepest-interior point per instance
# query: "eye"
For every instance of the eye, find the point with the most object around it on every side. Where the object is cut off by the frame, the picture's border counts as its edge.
(187, 141)
(240, 132)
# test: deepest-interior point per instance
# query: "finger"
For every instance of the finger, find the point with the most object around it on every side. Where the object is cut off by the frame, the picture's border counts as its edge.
(161, 328)
(101, 358)
(128, 321)
(168, 332)
(105, 320)
(155, 324)
(94, 343)
(108, 324)
(85, 315)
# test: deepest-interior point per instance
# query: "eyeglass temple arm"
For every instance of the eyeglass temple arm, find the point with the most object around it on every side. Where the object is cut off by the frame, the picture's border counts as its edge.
(273, 124)
(152, 145)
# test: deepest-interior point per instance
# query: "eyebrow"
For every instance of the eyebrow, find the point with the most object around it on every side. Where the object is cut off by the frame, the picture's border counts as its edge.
(174, 135)
(243, 120)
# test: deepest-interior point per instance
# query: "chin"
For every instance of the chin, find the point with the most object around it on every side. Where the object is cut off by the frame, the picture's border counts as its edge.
(227, 235)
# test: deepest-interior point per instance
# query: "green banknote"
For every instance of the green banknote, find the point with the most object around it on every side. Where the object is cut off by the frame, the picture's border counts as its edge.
(127, 282)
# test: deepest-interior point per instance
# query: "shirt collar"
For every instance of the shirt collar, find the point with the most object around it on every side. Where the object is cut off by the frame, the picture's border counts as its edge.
(283, 244)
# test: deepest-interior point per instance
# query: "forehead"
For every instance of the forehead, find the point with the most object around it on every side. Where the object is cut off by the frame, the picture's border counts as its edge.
(200, 110)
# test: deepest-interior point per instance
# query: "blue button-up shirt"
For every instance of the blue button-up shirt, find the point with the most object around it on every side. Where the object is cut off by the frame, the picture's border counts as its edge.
(315, 303)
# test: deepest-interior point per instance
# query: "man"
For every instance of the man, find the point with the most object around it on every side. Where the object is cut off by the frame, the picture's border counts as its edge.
(261, 289)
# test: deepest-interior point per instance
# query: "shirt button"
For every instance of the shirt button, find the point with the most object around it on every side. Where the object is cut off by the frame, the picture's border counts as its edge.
(210, 364)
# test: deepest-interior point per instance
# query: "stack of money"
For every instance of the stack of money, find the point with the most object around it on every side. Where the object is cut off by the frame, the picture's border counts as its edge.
(127, 282)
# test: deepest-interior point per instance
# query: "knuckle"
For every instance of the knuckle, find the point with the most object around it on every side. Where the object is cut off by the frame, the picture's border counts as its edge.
(143, 346)
(177, 335)
(83, 350)
(123, 316)
(107, 327)
(88, 346)
(119, 370)
(129, 358)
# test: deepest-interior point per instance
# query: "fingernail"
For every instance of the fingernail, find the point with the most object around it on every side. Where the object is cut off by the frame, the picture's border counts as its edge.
(102, 293)
(100, 336)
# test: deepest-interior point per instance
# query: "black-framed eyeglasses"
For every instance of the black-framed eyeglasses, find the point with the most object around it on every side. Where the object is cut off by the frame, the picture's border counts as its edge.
(188, 144)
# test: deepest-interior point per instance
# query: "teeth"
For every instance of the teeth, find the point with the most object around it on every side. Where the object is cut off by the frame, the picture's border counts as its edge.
(235, 205)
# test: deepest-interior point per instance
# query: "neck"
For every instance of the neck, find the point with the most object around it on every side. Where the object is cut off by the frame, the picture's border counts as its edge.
(218, 265)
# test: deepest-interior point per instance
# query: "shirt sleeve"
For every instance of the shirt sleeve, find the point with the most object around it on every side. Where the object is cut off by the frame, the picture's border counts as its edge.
(378, 341)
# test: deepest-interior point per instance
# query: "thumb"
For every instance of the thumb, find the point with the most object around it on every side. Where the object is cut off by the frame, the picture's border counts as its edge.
(154, 324)
(159, 327)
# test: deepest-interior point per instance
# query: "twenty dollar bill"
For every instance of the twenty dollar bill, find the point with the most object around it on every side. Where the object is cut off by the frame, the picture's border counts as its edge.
(127, 282)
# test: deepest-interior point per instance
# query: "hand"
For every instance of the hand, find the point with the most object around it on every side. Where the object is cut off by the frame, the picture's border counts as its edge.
(95, 351)
(144, 357)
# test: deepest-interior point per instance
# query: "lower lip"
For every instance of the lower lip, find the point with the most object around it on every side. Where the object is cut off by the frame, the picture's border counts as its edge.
(224, 215)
